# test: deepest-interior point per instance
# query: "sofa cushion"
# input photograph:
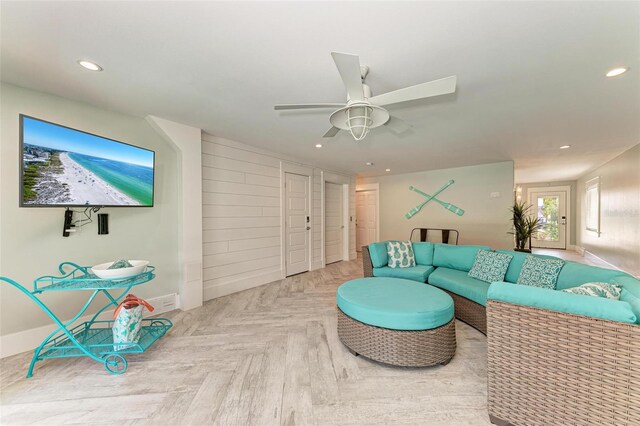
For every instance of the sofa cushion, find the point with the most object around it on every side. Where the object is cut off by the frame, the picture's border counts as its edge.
(378, 254)
(423, 252)
(539, 272)
(415, 273)
(395, 304)
(632, 285)
(560, 301)
(574, 274)
(633, 301)
(460, 283)
(456, 257)
(400, 254)
(490, 266)
(513, 272)
(609, 291)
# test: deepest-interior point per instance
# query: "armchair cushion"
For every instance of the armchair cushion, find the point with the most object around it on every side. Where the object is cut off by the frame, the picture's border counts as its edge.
(559, 301)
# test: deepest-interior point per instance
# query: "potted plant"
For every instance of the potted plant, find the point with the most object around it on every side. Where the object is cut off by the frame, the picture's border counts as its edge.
(525, 226)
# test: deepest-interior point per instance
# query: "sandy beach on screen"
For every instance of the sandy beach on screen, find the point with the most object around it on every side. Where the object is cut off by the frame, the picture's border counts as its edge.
(87, 188)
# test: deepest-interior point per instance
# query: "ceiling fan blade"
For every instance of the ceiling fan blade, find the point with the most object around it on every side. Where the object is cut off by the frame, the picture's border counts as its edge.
(397, 125)
(349, 69)
(306, 106)
(331, 132)
(419, 91)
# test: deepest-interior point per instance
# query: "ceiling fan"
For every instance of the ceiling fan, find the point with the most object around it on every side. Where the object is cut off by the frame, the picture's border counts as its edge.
(362, 111)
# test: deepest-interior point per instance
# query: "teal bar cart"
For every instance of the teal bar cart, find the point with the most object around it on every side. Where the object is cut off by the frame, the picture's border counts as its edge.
(91, 338)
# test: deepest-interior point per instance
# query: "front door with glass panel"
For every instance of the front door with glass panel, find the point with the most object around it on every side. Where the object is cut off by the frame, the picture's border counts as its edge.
(551, 209)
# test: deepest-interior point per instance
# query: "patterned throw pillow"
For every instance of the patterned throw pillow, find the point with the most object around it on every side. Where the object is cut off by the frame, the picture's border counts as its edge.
(540, 272)
(400, 254)
(490, 266)
(609, 291)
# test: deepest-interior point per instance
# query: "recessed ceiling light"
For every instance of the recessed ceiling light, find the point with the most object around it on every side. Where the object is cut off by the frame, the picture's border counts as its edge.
(91, 66)
(369, 163)
(318, 145)
(616, 72)
(565, 146)
(387, 170)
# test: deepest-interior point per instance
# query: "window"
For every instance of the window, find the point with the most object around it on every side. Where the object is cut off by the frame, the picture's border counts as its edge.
(592, 205)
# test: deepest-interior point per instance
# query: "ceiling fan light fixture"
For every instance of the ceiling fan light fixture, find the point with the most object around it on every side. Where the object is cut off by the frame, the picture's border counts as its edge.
(358, 118)
(359, 121)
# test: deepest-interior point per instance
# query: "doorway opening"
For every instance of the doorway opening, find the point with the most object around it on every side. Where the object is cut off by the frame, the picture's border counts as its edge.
(367, 215)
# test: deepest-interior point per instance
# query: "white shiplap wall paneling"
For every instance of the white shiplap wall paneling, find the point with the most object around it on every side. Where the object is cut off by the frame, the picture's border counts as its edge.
(241, 211)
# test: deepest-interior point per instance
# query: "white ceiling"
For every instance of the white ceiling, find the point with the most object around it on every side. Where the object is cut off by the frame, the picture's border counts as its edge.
(530, 75)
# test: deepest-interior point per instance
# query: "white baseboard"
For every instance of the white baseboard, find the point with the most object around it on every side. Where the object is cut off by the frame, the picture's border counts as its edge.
(577, 249)
(28, 340)
(224, 289)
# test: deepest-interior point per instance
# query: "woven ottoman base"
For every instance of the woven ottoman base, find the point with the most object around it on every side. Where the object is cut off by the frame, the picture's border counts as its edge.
(404, 348)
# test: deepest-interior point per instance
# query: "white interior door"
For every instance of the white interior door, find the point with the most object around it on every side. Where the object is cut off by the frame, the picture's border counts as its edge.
(366, 218)
(333, 227)
(297, 225)
(551, 209)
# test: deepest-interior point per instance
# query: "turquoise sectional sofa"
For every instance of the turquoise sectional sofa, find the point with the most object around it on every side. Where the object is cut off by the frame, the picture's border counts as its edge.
(553, 357)
(447, 266)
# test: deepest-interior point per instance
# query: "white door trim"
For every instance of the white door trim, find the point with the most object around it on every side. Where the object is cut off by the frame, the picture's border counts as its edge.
(298, 169)
(565, 188)
(344, 181)
(372, 187)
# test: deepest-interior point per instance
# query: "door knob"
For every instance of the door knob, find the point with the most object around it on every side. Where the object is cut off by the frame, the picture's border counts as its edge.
(308, 228)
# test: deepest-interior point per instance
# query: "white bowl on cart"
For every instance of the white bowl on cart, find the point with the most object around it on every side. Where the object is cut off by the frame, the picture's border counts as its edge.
(103, 271)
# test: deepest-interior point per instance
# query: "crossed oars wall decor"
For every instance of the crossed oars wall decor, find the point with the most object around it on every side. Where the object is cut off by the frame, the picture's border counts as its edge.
(454, 209)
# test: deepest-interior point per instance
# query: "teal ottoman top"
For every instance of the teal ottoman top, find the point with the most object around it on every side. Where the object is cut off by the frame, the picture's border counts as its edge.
(395, 303)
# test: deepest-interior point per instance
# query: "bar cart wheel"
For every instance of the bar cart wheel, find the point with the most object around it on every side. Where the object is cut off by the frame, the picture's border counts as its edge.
(115, 364)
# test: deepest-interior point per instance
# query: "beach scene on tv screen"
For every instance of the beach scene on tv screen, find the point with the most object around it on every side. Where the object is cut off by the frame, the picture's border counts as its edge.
(63, 166)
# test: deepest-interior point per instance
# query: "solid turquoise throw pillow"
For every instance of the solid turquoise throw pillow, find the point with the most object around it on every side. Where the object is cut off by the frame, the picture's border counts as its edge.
(456, 257)
(490, 266)
(606, 290)
(400, 254)
(537, 272)
(378, 254)
(423, 252)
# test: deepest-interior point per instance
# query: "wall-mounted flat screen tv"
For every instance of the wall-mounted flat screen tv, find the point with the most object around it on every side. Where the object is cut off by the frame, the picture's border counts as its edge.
(64, 167)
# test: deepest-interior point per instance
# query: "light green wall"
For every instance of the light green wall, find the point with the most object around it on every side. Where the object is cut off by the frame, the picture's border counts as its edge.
(619, 240)
(31, 242)
(486, 219)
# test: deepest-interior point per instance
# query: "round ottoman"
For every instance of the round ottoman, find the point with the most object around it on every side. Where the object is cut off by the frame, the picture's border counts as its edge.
(396, 321)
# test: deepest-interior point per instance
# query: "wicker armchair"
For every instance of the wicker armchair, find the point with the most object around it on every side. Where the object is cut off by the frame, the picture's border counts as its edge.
(554, 368)
(466, 310)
